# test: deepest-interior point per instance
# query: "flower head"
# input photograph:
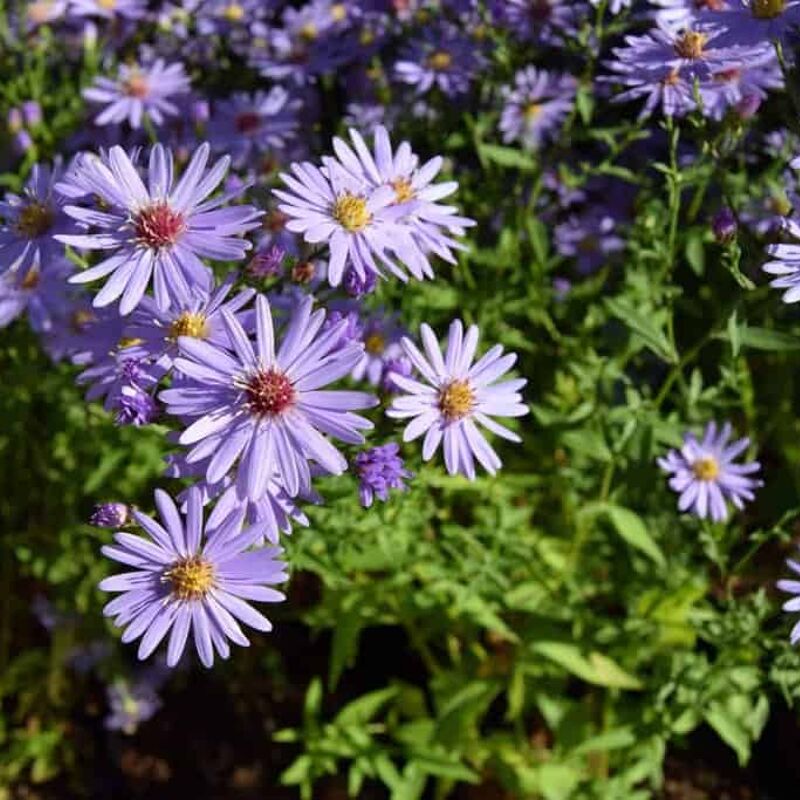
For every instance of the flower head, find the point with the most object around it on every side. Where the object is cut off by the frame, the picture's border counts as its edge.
(265, 407)
(190, 580)
(139, 90)
(456, 397)
(158, 231)
(110, 515)
(130, 704)
(702, 472)
(380, 469)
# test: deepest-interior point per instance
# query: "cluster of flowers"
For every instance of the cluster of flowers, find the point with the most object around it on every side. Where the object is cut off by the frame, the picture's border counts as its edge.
(245, 374)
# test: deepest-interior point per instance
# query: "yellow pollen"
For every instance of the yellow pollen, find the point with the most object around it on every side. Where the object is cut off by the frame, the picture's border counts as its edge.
(136, 86)
(440, 60)
(375, 344)
(531, 111)
(81, 319)
(309, 31)
(31, 280)
(34, 220)
(690, 44)
(366, 37)
(706, 468)
(108, 5)
(338, 12)
(233, 12)
(351, 212)
(767, 9)
(189, 323)
(129, 341)
(403, 190)
(191, 578)
(456, 399)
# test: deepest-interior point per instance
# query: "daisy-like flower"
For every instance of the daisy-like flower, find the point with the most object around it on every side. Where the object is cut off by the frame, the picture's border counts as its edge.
(682, 13)
(757, 21)
(431, 225)
(154, 333)
(138, 90)
(443, 57)
(792, 605)
(159, 231)
(43, 12)
(702, 472)
(456, 397)
(248, 125)
(130, 704)
(785, 263)
(379, 470)
(738, 86)
(190, 580)
(29, 221)
(109, 9)
(544, 21)
(42, 293)
(381, 335)
(362, 227)
(536, 105)
(664, 65)
(266, 408)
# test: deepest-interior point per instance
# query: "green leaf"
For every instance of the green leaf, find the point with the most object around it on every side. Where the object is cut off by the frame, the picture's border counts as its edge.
(508, 157)
(345, 639)
(596, 668)
(644, 326)
(364, 708)
(633, 530)
(767, 339)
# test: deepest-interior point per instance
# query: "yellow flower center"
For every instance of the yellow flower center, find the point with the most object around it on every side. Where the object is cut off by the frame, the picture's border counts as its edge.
(309, 31)
(532, 110)
(128, 341)
(233, 12)
(108, 5)
(779, 204)
(191, 578)
(767, 9)
(690, 44)
(403, 190)
(456, 400)
(375, 344)
(440, 60)
(706, 468)
(189, 323)
(351, 212)
(34, 220)
(81, 320)
(338, 12)
(136, 86)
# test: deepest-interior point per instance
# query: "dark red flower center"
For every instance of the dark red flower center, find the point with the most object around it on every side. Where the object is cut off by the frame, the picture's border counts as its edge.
(158, 225)
(269, 392)
(247, 122)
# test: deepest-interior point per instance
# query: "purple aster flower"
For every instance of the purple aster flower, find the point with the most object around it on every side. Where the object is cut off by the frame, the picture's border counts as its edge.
(130, 704)
(356, 286)
(381, 335)
(365, 117)
(724, 225)
(358, 224)
(110, 515)
(351, 332)
(785, 263)
(664, 65)
(704, 475)
(430, 224)
(679, 14)
(544, 21)
(792, 605)
(455, 396)
(135, 406)
(740, 88)
(42, 293)
(750, 22)
(187, 580)
(43, 12)
(28, 222)
(154, 333)
(441, 56)
(248, 125)
(267, 263)
(32, 112)
(380, 469)
(536, 105)
(139, 90)
(589, 238)
(399, 365)
(157, 231)
(266, 408)
(109, 9)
